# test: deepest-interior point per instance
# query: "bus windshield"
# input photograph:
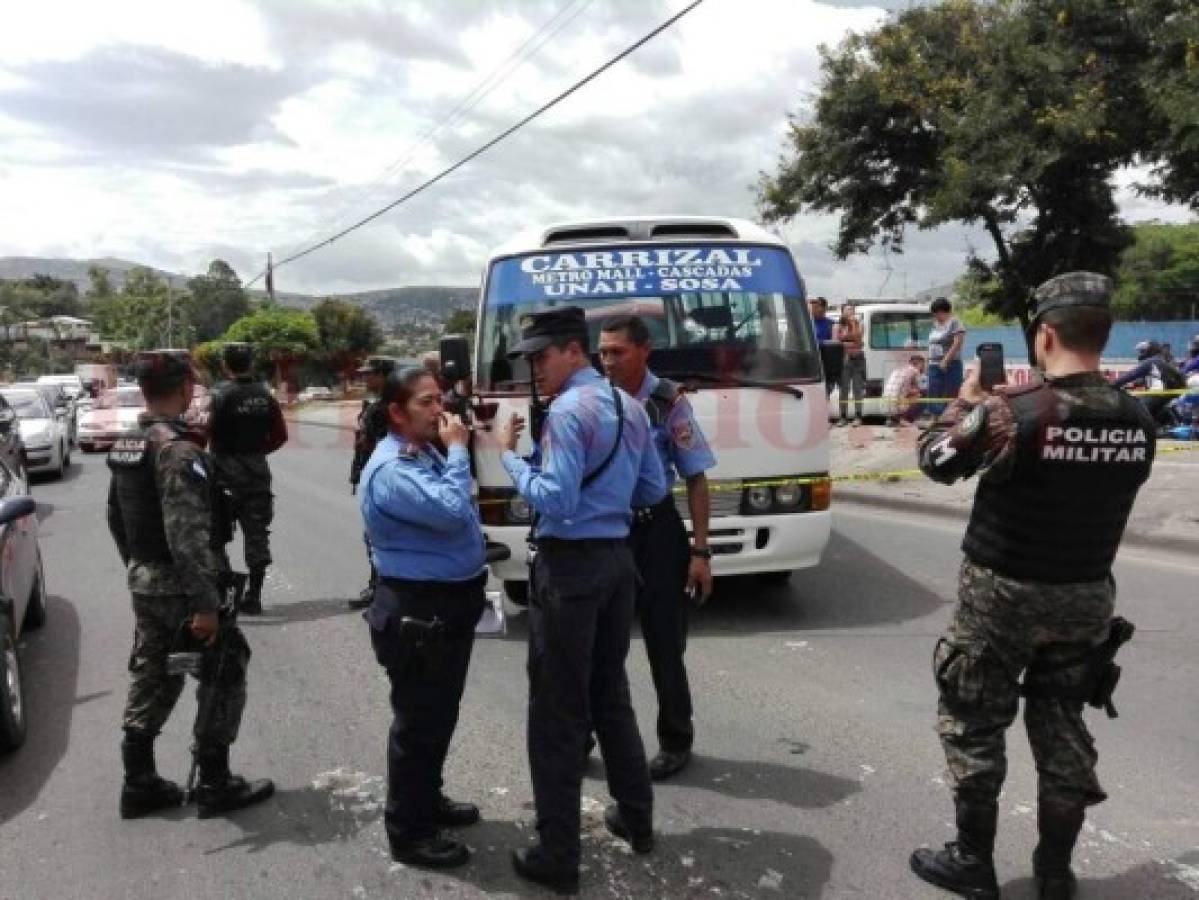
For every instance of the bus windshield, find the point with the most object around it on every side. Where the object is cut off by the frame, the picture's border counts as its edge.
(718, 313)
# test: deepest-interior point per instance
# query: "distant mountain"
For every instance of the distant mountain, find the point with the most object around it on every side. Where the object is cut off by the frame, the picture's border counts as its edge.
(17, 267)
(395, 308)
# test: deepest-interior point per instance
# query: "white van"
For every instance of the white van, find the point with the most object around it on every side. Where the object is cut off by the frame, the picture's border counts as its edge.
(892, 330)
(725, 305)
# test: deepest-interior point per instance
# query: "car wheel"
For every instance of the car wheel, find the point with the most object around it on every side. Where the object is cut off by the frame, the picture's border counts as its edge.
(781, 577)
(35, 613)
(12, 692)
(518, 592)
(62, 462)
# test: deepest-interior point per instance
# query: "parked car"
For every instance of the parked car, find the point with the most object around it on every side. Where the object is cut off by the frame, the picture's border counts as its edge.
(314, 393)
(47, 448)
(12, 450)
(72, 384)
(113, 416)
(22, 599)
(63, 405)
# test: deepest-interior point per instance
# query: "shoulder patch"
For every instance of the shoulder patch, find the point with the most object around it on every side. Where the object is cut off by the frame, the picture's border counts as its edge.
(974, 421)
(684, 434)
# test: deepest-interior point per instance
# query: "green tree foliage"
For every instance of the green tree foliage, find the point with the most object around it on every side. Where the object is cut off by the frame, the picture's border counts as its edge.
(144, 313)
(345, 329)
(216, 300)
(39, 297)
(462, 321)
(99, 284)
(1013, 115)
(1158, 276)
(282, 338)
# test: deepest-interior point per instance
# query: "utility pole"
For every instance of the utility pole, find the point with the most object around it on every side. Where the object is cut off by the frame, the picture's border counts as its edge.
(170, 313)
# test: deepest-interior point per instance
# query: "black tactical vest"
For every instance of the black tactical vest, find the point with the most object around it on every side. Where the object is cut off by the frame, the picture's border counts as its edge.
(661, 401)
(131, 461)
(1083, 450)
(240, 417)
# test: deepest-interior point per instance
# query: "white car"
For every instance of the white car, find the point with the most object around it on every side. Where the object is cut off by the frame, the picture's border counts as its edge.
(72, 384)
(113, 416)
(314, 393)
(47, 442)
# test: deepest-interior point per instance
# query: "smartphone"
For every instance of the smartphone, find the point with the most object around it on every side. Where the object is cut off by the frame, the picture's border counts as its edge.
(990, 365)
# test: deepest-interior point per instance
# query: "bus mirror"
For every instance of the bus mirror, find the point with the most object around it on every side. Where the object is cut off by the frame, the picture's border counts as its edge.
(455, 358)
(712, 316)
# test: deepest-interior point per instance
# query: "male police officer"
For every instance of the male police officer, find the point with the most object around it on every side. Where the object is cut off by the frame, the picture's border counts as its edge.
(372, 428)
(1063, 459)
(596, 461)
(245, 424)
(670, 569)
(161, 515)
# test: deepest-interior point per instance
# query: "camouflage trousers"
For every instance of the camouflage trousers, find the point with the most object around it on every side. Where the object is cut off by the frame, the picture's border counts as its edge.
(1000, 627)
(153, 692)
(247, 477)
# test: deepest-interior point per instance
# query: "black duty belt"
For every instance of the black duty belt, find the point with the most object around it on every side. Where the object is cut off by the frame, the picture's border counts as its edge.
(645, 514)
(444, 588)
(553, 543)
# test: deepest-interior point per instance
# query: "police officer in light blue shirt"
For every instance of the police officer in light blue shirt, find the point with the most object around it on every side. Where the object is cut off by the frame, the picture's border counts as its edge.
(670, 568)
(596, 462)
(427, 545)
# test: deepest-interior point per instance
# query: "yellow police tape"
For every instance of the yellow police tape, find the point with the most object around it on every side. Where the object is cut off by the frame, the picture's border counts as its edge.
(917, 401)
(886, 475)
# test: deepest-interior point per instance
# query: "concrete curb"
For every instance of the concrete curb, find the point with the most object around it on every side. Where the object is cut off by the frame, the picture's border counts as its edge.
(1132, 538)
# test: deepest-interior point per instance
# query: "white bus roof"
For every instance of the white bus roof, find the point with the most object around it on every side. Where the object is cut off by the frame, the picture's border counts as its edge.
(636, 229)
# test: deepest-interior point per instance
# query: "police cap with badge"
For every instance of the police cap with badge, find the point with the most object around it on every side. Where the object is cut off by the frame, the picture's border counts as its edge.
(377, 365)
(540, 329)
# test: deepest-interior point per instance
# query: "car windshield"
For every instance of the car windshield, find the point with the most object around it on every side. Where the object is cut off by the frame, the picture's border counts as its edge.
(27, 404)
(717, 313)
(123, 399)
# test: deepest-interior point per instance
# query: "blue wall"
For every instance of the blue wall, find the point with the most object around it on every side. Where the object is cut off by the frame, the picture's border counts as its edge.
(1125, 336)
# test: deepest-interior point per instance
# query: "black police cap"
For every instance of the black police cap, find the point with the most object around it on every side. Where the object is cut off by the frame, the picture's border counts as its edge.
(377, 365)
(1073, 290)
(237, 354)
(538, 330)
(162, 366)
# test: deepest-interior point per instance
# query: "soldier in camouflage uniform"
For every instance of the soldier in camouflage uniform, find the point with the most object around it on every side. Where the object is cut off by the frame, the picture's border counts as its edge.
(161, 515)
(1062, 459)
(372, 428)
(245, 424)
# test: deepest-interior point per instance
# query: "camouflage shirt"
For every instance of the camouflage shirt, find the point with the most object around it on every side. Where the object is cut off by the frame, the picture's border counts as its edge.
(183, 477)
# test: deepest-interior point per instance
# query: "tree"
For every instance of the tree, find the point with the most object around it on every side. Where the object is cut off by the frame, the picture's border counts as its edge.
(99, 285)
(1159, 274)
(347, 333)
(462, 321)
(281, 338)
(1012, 115)
(217, 300)
(143, 313)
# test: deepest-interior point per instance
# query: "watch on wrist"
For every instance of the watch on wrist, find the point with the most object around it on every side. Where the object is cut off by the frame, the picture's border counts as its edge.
(701, 552)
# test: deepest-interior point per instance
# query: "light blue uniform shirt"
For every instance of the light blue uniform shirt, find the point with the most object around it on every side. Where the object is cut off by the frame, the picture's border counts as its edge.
(679, 440)
(421, 520)
(580, 430)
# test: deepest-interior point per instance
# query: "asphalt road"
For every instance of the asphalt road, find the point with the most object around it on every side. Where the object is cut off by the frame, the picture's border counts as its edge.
(817, 769)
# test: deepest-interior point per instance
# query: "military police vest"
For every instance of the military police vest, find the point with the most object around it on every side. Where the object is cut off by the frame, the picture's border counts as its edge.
(240, 418)
(661, 401)
(1083, 449)
(131, 461)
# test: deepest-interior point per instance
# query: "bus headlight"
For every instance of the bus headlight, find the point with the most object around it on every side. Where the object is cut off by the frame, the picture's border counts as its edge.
(758, 500)
(788, 496)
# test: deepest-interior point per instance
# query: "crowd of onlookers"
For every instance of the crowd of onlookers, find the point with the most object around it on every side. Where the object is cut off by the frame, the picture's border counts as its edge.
(904, 393)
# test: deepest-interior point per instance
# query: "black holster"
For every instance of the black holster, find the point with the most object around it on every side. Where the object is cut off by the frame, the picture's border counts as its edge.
(1099, 677)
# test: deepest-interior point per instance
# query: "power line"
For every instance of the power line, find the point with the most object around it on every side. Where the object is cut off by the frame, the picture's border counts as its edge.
(477, 94)
(574, 88)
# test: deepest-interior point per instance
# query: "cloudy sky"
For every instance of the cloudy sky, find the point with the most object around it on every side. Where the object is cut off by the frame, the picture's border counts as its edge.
(172, 133)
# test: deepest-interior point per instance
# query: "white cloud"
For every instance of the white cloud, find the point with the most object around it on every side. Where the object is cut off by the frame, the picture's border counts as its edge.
(176, 132)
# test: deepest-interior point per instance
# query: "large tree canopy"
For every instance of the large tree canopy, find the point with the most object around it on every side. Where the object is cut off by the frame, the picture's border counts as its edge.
(216, 301)
(1014, 115)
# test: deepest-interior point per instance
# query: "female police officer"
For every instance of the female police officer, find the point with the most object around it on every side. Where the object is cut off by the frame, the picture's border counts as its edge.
(428, 548)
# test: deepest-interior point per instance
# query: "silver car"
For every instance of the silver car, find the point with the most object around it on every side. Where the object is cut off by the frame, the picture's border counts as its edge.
(44, 434)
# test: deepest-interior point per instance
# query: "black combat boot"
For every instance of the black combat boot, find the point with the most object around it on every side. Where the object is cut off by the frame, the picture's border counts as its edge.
(144, 791)
(965, 866)
(251, 603)
(1059, 825)
(220, 791)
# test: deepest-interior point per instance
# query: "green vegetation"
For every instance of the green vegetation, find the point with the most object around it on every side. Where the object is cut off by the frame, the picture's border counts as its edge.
(1158, 276)
(1012, 115)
